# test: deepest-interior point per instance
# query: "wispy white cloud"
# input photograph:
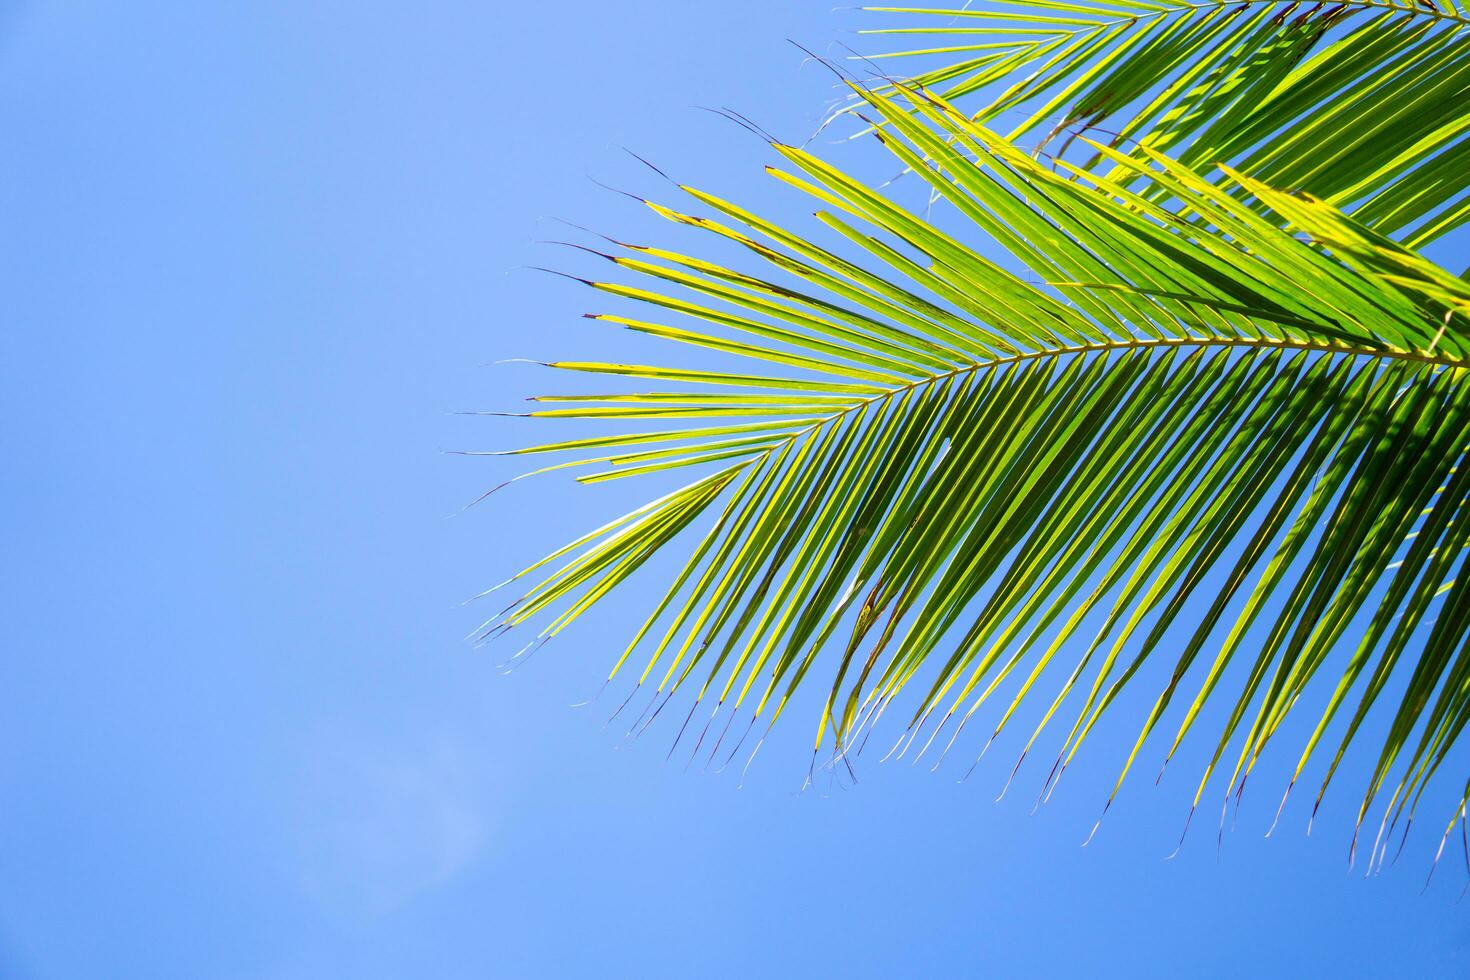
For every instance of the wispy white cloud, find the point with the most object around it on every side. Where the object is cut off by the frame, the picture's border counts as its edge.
(380, 823)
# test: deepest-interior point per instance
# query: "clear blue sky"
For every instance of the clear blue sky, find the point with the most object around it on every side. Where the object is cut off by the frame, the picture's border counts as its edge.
(253, 254)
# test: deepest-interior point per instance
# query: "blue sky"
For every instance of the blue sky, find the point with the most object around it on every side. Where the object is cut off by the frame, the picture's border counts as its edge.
(253, 256)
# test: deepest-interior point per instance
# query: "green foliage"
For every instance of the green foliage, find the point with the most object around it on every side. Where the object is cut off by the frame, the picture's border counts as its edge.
(1343, 100)
(1224, 424)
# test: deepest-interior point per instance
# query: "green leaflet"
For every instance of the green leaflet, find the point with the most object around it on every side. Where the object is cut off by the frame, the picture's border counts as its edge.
(1346, 101)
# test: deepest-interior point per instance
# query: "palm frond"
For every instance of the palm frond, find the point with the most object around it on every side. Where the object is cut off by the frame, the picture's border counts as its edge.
(955, 476)
(1343, 100)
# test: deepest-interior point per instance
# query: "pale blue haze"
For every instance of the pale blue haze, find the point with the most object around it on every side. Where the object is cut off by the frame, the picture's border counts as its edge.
(253, 254)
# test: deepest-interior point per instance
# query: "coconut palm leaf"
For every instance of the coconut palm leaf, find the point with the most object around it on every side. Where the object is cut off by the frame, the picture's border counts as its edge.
(1338, 99)
(926, 473)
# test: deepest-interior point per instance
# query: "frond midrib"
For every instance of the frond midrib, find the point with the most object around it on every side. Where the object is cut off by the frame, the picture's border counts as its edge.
(1349, 4)
(1323, 347)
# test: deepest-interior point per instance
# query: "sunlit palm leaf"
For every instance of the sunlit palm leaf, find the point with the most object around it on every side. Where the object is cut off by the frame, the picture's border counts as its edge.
(958, 474)
(1338, 99)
